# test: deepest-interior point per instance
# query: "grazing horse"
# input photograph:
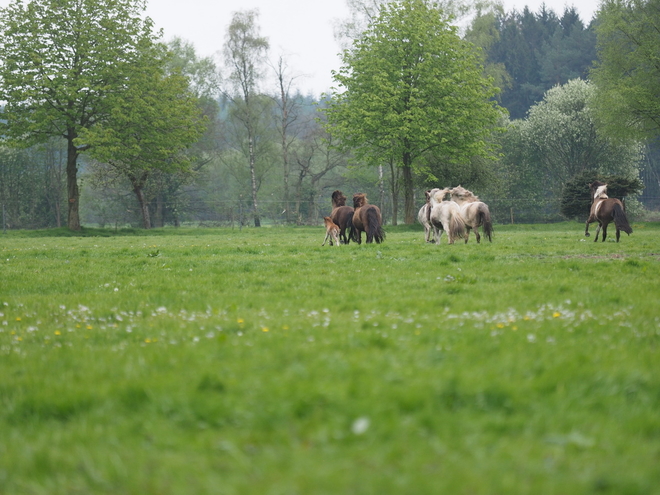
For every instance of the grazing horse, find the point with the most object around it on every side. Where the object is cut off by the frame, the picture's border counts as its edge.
(342, 215)
(605, 210)
(331, 231)
(475, 213)
(366, 218)
(423, 217)
(445, 216)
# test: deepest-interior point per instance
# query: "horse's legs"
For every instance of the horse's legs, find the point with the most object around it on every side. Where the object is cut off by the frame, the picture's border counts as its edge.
(597, 232)
(586, 226)
(476, 233)
(467, 234)
(604, 231)
(618, 233)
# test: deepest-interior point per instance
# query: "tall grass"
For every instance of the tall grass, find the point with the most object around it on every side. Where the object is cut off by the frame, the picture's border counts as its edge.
(257, 361)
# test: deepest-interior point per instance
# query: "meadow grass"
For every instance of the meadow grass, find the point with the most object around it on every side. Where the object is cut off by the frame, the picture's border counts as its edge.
(222, 361)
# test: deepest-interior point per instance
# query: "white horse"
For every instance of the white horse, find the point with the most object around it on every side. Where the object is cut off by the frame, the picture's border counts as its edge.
(423, 217)
(474, 213)
(445, 216)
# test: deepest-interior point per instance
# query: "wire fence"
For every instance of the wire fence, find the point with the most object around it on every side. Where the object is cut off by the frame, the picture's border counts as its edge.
(240, 213)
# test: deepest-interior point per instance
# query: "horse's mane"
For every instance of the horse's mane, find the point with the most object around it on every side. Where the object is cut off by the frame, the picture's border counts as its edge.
(338, 198)
(601, 192)
(359, 199)
(466, 194)
(438, 195)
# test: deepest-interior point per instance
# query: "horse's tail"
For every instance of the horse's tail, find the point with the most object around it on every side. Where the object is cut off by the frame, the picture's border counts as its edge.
(457, 226)
(485, 221)
(620, 219)
(374, 228)
(350, 228)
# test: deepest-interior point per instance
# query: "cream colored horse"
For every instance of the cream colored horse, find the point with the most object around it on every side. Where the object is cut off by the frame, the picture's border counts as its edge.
(423, 218)
(474, 213)
(445, 216)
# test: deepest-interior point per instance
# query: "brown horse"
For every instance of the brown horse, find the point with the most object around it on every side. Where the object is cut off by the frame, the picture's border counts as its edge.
(342, 215)
(366, 218)
(605, 210)
(475, 213)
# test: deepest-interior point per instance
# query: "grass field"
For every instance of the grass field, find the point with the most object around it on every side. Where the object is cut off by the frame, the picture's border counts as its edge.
(258, 362)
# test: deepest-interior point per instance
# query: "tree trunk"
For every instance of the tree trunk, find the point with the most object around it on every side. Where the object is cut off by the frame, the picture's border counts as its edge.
(395, 193)
(253, 178)
(408, 190)
(72, 182)
(146, 220)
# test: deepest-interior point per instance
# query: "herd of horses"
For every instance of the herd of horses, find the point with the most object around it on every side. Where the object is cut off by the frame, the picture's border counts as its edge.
(456, 211)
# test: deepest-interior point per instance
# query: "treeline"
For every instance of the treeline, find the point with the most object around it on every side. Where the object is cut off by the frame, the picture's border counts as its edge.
(266, 153)
(531, 52)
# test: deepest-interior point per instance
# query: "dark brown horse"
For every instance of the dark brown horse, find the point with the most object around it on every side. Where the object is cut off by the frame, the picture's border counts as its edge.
(366, 218)
(605, 210)
(342, 215)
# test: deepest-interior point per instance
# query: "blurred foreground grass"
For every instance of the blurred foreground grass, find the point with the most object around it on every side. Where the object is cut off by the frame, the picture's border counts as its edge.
(257, 361)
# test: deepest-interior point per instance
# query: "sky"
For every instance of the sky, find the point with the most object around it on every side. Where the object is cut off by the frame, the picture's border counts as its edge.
(302, 31)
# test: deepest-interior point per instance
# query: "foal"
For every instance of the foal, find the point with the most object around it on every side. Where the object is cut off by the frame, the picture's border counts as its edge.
(331, 231)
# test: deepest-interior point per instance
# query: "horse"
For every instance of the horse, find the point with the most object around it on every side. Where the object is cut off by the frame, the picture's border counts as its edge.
(445, 216)
(423, 217)
(475, 213)
(331, 231)
(605, 210)
(366, 218)
(342, 215)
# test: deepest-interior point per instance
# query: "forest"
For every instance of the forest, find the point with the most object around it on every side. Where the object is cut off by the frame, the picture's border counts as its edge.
(531, 112)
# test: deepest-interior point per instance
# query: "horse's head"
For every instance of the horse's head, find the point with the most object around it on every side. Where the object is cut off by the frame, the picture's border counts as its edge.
(601, 192)
(459, 193)
(438, 195)
(359, 199)
(428, 195)
(338, 198)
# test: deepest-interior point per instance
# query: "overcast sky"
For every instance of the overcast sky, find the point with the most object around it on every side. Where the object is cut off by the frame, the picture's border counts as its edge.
(300, 30)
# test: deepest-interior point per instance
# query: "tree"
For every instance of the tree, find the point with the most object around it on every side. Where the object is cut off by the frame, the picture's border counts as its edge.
(288, 114)
(408, 87)
(245, 54)
(563, 139)
(627, 71)
(576, 200)
(61, 70)
(154, 120)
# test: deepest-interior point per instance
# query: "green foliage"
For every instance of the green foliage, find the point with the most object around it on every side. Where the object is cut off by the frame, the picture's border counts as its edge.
(560, 140)
(529, 53)
(260, 362)
(576, 200)
(627, 71)
(411, 86)
(61, 72)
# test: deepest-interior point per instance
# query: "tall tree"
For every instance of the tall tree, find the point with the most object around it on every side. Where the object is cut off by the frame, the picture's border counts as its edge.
(245, 52)
(288, 105)
(563, 139)
(628, 70)
(60, 63)
(408, 87)
(154, 121)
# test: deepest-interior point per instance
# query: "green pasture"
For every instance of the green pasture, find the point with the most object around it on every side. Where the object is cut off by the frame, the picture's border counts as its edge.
(255, 361)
